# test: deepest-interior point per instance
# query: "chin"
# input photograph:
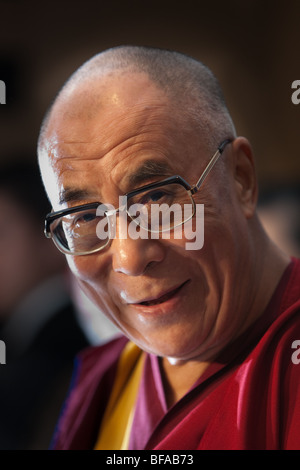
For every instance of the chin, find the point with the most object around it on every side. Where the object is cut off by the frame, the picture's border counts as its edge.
(173, 350)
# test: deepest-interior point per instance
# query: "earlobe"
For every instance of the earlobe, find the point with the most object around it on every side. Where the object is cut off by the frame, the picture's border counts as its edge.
(245, 175)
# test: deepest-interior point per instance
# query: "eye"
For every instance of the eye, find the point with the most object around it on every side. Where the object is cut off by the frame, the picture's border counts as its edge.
(157, 195)
(85, 218)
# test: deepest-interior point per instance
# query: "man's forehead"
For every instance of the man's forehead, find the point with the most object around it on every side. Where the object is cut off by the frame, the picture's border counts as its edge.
(96, 108)
(110, 90)
(143, 119)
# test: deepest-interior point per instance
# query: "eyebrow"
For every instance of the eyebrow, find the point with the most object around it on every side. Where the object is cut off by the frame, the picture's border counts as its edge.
(73, 195)
(148, 170)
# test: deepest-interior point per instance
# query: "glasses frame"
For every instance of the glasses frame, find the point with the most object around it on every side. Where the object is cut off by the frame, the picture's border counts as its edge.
(176, 179)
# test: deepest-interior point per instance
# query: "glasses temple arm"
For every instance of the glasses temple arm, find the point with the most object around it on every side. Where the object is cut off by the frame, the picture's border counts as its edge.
(210, 165)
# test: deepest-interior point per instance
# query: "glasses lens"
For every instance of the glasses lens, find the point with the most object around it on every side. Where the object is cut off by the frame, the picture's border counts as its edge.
(161, 209)
(77, 232)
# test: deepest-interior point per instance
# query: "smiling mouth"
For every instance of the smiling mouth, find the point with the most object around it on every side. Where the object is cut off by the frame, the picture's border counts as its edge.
(163, 298)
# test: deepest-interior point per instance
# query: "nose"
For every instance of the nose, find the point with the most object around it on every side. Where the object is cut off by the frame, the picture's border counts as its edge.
(134, 257)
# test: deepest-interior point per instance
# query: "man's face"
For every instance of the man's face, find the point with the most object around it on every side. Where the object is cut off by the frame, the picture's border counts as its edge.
(170, 301)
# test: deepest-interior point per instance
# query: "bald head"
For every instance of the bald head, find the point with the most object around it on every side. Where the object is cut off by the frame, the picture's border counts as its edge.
(188, 84)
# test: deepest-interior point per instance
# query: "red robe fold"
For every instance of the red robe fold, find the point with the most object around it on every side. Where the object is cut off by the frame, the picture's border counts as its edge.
(249, 399)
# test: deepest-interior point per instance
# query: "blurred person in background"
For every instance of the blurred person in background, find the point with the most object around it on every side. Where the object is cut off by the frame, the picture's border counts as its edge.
(38, 321)
(279, 211)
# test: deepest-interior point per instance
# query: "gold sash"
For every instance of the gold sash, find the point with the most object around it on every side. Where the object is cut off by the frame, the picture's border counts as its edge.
(116, 424)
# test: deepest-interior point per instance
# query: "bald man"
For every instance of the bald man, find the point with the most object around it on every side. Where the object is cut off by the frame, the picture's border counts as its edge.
(154, 204)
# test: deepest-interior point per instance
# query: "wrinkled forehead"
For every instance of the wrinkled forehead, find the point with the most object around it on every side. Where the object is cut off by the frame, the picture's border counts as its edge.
(92, 109)
(109, 96)
(109, 120)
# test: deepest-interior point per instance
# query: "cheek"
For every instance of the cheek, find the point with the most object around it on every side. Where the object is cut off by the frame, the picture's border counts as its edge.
(92, 275)
(87, 273)
(90, 268)
(78, 266)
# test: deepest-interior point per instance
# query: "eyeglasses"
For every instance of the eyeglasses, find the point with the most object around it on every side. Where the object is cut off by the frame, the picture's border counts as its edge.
(157, 207)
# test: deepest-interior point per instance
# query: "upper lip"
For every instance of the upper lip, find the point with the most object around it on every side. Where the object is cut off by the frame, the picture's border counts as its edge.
(160, 295)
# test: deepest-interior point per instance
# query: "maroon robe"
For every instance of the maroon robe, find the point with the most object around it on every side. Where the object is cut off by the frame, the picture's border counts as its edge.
(249, 399)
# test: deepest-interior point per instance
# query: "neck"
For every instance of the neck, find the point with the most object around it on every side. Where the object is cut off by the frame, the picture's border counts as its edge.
(269, 266)
(179, 376)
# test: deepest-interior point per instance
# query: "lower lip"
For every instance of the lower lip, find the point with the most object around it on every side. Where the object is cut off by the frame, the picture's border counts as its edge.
(163, 307)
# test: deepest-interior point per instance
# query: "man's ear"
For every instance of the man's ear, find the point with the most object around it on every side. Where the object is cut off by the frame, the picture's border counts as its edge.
(245, 175)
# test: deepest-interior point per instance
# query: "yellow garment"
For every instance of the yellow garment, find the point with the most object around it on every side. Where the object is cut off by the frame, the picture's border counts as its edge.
(116, 424)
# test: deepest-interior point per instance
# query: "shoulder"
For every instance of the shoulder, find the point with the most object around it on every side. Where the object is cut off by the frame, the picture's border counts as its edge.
(284, 330)
(93, 377)
(95, 364)
(96, 359)
(287, 324)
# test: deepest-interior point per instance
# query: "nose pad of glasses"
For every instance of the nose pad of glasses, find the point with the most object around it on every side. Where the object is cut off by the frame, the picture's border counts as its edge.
(111, 220)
